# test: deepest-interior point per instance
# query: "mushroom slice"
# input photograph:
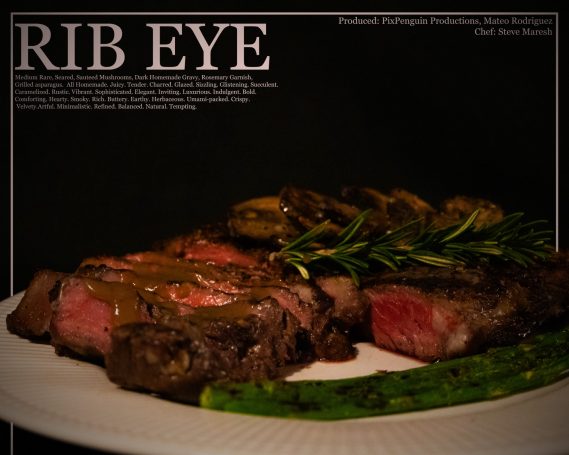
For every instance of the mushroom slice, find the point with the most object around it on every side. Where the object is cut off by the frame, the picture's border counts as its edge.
(261, 219)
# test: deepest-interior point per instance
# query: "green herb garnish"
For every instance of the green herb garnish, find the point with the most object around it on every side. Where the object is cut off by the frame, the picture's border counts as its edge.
(461, 244)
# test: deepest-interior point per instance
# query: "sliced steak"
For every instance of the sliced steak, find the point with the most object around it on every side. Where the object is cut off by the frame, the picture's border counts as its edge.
(437, 314)
(156, 265)
(31, 317)
(212, 245)
(329, 340)
(98, 298)
(82, 322)
(214, 305)
(177, 357)
(351, 306)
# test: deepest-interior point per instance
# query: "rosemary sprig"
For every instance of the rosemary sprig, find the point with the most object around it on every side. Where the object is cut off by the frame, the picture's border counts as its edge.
(509, 240)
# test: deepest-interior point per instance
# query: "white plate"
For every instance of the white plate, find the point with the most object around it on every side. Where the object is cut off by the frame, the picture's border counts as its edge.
(73, 401)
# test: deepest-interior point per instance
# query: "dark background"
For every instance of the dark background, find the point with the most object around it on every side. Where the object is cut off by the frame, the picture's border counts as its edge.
(433, 109)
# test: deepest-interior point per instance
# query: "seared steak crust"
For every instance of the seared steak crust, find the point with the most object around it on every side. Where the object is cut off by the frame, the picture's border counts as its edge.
(107, 292)
(32, 316)
(211, 244)
(177, 357)
(443, 313)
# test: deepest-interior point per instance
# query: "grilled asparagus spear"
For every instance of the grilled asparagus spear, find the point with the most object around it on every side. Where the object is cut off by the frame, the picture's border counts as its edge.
(494, 374)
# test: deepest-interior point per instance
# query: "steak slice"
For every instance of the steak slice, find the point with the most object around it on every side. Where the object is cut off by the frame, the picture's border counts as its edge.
(146, 286)
(82, 320)
(177, 357)
(199, 284)
(155, 265)
(96, 299)
(438, 314)
(213, 245)
(31, 317)
(351, 306)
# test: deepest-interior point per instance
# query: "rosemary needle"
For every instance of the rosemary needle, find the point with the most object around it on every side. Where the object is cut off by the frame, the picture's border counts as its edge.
(461, 244)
